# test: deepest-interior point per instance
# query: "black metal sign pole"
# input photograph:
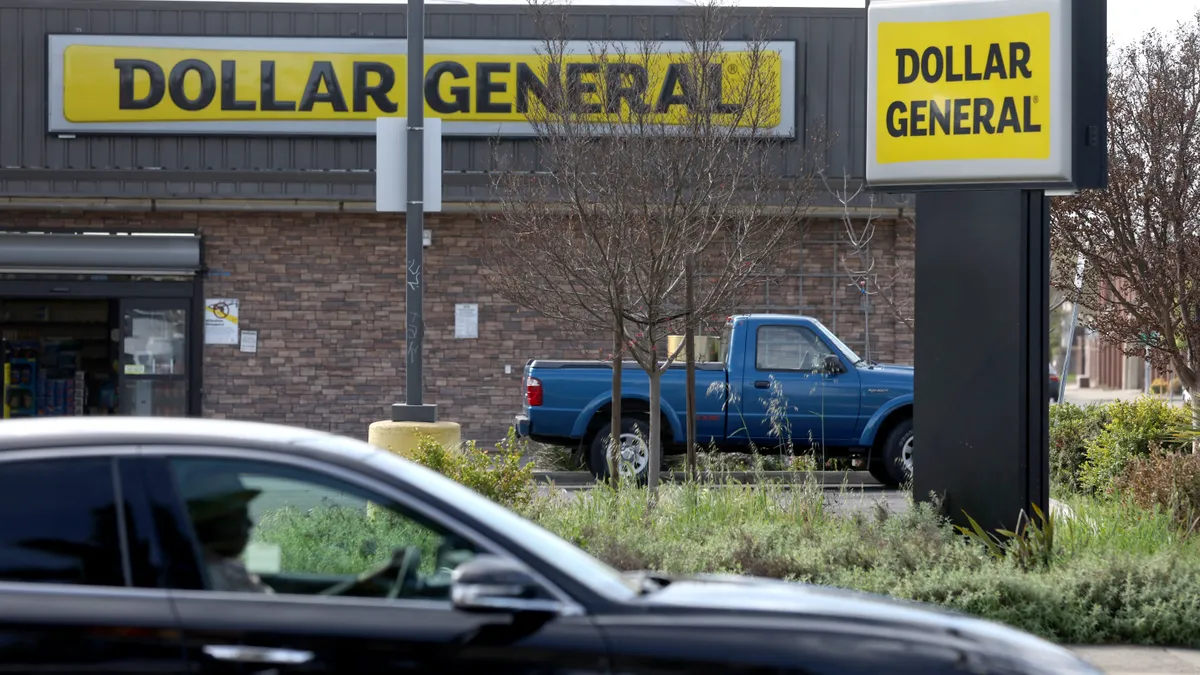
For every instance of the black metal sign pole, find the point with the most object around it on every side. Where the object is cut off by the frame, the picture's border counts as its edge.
(982, 388)
(414, 409)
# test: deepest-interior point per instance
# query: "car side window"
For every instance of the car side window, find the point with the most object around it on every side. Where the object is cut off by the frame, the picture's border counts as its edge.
(59, 522)
(794, 348)
(262, 527)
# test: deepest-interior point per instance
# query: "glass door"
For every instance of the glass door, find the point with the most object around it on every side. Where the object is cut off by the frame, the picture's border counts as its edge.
(154, 357)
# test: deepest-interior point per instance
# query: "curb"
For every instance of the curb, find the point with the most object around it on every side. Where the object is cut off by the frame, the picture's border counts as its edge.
(850, 478)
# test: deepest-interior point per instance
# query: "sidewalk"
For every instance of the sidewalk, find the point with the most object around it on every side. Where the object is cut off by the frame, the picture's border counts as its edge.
(1142, 660)
(1091, 396)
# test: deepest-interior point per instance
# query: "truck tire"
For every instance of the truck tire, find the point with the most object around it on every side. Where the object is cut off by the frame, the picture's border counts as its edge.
(635, 441)
(891, 469)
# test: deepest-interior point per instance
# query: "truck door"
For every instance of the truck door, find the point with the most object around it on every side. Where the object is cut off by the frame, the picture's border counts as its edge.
(786, 393)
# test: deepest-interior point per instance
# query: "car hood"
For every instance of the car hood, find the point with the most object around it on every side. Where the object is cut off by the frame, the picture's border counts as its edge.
(1009, 649)
(880, 368)
(887, 375)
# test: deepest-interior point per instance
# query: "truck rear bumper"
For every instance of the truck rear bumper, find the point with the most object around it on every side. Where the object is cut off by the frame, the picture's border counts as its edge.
(521, 425)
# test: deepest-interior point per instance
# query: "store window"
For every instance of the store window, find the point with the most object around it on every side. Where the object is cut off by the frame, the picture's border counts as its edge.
(60, 357)
(97, 356)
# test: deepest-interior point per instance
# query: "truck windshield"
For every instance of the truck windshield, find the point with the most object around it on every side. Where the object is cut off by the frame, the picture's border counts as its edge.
(724, 346)
(841, 346)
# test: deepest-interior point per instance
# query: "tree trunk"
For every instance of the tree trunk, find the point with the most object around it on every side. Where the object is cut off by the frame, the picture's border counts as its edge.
(1195, 392)
(614, 448)
(689, 346)
(655, 439)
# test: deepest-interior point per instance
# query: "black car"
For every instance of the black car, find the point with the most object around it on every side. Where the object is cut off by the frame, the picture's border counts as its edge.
(205, 546)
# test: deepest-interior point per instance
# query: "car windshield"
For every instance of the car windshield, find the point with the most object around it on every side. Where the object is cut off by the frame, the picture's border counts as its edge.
(841, 346)
(589, 571)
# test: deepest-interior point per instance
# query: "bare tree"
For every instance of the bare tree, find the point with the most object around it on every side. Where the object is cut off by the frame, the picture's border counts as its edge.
(892, 284)
(650, 156)
(1140, 238)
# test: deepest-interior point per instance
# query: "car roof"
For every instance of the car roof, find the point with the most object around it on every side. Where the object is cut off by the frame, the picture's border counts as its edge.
(55, 432)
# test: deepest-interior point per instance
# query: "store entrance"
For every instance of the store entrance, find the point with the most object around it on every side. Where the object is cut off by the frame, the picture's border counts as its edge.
(95, 356)
(101, 323)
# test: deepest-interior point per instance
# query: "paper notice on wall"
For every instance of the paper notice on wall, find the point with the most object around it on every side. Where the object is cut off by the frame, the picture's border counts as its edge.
(250, 341)
(466, 321)
(220, 321)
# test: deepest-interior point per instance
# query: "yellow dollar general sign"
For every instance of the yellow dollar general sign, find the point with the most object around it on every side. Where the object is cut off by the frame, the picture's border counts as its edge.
(968, 91)
(189, 85)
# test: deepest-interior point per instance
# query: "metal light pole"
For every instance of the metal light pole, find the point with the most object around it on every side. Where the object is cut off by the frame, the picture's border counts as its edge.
(414, 409)
(1080, 264)
(1062, 379)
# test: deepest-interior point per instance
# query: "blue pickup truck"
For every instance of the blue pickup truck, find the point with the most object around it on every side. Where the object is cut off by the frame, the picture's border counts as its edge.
(779, 378)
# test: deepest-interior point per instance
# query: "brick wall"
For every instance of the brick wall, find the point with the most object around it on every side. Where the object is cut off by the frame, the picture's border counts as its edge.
(326, 294)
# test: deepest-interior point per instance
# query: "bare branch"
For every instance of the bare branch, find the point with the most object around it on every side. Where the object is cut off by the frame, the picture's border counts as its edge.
(647, 155)
(1140, 238)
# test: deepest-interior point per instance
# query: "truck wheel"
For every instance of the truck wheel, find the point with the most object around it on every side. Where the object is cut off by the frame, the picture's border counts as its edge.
(635, 449)
(897, 461)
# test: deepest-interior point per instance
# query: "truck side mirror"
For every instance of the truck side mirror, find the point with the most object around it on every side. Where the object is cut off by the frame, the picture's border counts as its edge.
(833, 365)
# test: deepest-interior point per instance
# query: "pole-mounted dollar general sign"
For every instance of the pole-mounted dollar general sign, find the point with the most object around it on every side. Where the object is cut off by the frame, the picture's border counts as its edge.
(968, 91)
(193, 85)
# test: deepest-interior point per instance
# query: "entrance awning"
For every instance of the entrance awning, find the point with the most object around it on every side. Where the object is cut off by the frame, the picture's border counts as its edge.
(99, 253)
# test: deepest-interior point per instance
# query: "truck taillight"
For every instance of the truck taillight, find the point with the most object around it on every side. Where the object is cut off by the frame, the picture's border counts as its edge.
(533, 391)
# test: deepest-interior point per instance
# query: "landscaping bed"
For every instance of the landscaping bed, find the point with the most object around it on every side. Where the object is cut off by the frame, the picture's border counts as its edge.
(1124, 568)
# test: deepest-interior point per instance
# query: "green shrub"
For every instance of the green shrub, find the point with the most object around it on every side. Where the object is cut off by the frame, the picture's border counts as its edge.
(1118, 600)
(1133, 429)
(500, 476)
(1072, 431)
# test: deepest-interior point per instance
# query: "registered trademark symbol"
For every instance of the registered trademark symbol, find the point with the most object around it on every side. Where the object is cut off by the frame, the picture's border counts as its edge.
(1035, 99)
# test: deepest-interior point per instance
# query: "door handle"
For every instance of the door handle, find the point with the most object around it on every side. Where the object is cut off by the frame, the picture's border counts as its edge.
(762, 384)
(248, 654)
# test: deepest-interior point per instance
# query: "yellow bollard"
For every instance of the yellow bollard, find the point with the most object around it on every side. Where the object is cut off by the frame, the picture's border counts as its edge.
(402, 438)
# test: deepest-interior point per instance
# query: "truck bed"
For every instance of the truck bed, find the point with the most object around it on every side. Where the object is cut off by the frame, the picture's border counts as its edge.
(574, 390)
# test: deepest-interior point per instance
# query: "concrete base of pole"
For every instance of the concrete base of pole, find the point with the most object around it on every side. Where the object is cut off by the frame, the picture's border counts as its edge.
(402, 438)
(403, 412)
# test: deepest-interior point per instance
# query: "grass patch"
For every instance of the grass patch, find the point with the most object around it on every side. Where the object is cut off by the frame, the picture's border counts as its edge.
(1119, 574)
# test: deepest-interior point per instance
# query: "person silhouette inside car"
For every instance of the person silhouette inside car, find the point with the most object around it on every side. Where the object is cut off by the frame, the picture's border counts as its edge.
(219, 506)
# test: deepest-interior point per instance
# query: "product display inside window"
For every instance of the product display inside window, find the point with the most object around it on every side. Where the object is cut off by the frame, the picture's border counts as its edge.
(59, 357)
(90, 357)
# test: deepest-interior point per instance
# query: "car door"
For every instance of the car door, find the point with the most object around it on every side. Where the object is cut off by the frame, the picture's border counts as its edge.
(77, 579)
(787, 395)
(702, 643)
(296, 593)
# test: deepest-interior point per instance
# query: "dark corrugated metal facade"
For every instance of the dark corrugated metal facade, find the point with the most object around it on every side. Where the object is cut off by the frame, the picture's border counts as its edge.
(830, 68)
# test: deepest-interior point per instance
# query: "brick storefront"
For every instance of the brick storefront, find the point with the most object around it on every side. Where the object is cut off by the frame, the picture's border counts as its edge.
(325, 293)
(285, 203)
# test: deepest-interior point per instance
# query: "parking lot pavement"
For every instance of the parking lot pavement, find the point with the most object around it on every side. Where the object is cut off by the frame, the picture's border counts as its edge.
(865, 500)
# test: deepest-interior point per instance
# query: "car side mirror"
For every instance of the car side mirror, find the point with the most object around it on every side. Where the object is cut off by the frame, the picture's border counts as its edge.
(491, 584)
(833, 365)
